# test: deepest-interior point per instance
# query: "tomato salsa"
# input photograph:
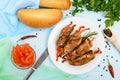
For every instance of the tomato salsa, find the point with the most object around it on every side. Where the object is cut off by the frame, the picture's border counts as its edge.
(23, 55)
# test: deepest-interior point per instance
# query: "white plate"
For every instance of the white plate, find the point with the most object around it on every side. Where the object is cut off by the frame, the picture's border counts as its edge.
(66, 67)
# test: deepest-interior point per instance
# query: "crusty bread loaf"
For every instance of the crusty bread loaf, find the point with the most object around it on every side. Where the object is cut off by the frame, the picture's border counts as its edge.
(39, 18)
(59, 4)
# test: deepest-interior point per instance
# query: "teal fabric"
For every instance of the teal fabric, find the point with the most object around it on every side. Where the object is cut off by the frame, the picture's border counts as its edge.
(4, 44)
(13, 6)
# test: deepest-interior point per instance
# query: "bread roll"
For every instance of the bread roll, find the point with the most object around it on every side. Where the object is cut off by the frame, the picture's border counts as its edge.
(59, 4)
(39, 18)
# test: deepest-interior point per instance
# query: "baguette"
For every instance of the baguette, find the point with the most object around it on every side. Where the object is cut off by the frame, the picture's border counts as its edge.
(39, 18)
(59, 4)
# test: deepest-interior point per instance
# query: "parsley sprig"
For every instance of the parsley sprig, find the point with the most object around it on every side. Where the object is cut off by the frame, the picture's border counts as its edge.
(111, 7)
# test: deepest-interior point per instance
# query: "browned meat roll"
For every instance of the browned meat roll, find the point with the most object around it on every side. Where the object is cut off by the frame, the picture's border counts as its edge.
(74, 40)
(80, 60)
(72, 43)
(64, 35)
(81, 49)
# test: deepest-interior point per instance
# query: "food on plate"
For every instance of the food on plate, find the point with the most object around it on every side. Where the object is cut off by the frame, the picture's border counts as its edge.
(63, 37)
(39, 18)
(74, 40)
(23, 56)
(64, 34)
(76, 48)
(80, 60)
(81, 49)
(59, 4)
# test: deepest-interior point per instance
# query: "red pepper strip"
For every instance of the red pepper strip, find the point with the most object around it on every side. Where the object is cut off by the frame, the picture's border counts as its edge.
(80, 28)
(84, 30)
(67, 27)
(91, 40)
(69, 56)
(26, 37)
(110, 67)
(59, 49)
(98, 51)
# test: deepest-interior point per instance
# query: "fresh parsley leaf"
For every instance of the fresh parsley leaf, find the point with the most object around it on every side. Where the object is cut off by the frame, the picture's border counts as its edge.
(109, 23)
(111, 7)
(81, 10)
(75, 11)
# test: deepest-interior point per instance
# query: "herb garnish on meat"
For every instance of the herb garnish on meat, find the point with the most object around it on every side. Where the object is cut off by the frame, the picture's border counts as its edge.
(89, 34)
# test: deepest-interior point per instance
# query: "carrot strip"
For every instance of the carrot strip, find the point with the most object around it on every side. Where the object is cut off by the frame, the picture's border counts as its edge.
(23, 55)
(69, 56)
(98, 51)
(91, 40)
(84, 30)
(59, 51)
(66, 27)
(80, 28)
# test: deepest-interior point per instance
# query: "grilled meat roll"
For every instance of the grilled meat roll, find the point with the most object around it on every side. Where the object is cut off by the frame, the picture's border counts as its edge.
(80, 60)
(81, 49)
(74, 40)
(64, 35)
(72, 43)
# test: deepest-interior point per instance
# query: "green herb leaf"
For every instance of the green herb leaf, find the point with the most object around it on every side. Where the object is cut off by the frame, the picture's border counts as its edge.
(109, 23)
(89, 34)
(111, 7)
(75, 11)
(81, 10)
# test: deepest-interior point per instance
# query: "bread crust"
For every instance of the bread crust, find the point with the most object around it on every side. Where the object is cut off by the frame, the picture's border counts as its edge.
(40, 18)
(58, 4)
